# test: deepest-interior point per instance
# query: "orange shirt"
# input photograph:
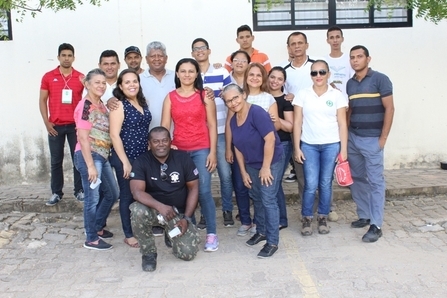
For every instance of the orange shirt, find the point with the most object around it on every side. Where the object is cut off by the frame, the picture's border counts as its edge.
(256, 56)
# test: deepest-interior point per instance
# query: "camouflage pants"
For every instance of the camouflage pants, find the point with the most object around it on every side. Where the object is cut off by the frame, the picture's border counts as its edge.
(184, 247)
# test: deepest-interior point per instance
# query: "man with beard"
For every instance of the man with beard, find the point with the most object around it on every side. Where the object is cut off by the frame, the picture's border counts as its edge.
(132, 57)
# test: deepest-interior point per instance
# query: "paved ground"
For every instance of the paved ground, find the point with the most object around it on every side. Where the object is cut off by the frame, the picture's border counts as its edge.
(41, 255)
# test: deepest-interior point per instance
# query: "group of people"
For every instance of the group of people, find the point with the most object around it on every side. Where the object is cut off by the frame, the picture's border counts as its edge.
(246, 119)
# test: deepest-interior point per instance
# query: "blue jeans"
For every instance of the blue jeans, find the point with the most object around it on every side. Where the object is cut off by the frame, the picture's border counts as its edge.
(125, 194)
(318, 172)
(287, 146)
(368, 191)
(224, 171)
(208, 207)
(266, 203)
(57, 144)
(95, 212)
(241, 192)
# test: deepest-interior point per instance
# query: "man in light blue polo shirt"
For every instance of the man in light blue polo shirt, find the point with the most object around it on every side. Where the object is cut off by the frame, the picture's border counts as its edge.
(156, 81)
(370, 115)
(216, 79)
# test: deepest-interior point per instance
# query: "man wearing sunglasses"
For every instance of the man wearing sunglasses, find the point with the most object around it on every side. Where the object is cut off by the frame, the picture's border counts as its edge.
(370, 115)
(161, 180)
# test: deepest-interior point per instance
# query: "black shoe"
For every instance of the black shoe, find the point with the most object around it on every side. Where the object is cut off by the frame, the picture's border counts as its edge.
(228, 218)
(267, 251)
(362, 222)
(373, 234)
(105, 234)
(100, 246)
(283, 227)
(157, 231)
(255, 239)
(202, 223)
(168, 241)
(149, 262)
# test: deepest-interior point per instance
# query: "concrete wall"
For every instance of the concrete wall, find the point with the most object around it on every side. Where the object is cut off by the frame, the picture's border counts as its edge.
(411, 57)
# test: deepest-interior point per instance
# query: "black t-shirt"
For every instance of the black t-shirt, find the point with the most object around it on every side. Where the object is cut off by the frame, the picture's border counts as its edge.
(283, 106)
(173, 190)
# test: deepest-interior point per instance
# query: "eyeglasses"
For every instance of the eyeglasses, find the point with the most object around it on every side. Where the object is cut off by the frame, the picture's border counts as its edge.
(230, 101)
(202, 48)
(163, 174)
(241, 61)
(321, 72)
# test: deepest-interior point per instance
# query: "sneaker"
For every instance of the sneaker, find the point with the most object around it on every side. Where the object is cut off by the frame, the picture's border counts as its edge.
(252, 230)
(333, 216)
(255, 239)
(202, 223)
(158, 231)
(243, 230)
(322, 225)
(80, 196)
(212, 242)
(267, 251)
(290, 178)
(360, 223)
(306, 229)
(55, 198)
(149, 262)
(100, 246)
(373, 234)
(105, 234)
(228, 219)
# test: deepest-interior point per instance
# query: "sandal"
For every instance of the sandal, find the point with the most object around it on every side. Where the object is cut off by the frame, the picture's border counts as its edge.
(134, 245)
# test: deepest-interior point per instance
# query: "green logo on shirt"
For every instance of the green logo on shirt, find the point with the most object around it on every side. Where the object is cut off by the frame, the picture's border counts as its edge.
(329, 103)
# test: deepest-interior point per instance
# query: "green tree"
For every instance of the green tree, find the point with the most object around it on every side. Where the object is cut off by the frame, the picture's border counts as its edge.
(33, 7)
(430, 10)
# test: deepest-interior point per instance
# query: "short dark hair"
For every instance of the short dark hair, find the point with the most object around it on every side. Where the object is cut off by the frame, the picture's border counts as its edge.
(65, 46)
(243, 28)
(296, 33)
(280, 69)
(334, 28)
(359, 47)
(109, 53)
(159, 129)
(199, 40)
(240, 52)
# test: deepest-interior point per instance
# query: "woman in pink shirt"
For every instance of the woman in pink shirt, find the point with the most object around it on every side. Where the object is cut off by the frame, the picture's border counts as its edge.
(91, 160)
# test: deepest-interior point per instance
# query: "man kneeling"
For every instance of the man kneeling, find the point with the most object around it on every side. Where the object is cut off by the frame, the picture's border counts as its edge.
(163, 179)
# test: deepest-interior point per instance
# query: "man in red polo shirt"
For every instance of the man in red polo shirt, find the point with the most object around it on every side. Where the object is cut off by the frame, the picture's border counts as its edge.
(60, 92)
(245, 39)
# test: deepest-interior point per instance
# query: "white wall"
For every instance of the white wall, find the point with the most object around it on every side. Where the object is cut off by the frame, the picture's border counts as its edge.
(411, 57)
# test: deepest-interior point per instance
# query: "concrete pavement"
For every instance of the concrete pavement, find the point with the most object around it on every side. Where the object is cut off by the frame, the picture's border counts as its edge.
(404, 182)
(41, 255)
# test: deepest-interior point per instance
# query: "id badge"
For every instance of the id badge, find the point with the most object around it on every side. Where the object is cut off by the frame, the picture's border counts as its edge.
(67, 96)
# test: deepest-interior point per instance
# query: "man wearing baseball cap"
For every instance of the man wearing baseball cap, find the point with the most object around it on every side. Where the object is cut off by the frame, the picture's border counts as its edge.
(133, 58)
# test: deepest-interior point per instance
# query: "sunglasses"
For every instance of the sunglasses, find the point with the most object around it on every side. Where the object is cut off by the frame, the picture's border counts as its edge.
(163, 174)
(322, 72)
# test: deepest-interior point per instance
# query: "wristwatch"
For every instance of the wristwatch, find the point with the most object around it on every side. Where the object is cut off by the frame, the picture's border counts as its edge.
(186, 217)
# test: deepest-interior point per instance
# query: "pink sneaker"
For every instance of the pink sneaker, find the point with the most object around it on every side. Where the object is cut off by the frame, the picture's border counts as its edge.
(212, 242)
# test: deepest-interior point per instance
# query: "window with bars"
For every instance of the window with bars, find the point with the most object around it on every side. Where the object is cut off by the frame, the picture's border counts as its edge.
(321, 14)
(5, 25)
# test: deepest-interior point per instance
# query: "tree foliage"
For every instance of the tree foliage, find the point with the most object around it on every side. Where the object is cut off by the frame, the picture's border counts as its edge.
(26, 6)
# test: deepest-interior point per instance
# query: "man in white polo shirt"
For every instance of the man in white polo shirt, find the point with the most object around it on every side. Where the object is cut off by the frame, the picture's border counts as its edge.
(298, 77)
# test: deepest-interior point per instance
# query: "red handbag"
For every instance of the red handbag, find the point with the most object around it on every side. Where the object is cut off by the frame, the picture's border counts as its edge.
(343, 172)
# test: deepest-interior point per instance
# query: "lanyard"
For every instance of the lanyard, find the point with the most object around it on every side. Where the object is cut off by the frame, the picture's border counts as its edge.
(66, 81)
